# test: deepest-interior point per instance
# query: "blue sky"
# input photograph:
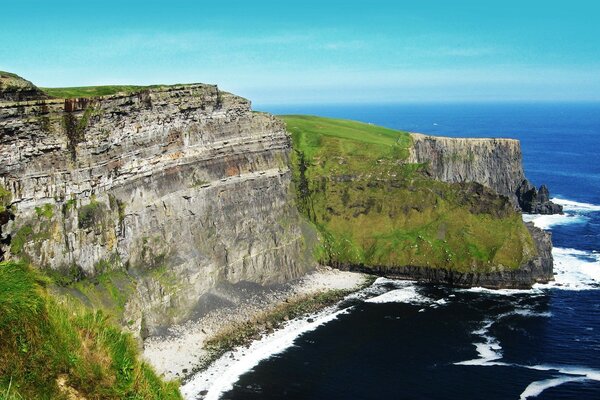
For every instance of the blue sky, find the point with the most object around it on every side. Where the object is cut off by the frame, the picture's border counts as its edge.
(314, 51)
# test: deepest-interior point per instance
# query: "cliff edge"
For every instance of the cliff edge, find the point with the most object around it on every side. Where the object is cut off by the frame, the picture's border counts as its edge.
(412, 206)
(141, 202)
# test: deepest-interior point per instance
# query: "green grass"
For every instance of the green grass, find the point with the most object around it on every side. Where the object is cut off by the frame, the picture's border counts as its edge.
(44, 342)
(372, 208)
(5, 198)
(46, 211)
(94, 91)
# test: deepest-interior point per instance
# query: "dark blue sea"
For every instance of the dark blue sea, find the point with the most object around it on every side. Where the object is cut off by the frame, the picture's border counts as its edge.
(403, 340)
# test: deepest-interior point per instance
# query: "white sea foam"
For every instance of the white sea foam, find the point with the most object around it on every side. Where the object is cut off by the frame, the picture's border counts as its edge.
(548, 221)
(406, 294)
(569, 374)
(574, 270)
(570, 205)
(536, 388)
(490, 354)
(575, 213)
(488, 351)
(498, 292)
(223, 373)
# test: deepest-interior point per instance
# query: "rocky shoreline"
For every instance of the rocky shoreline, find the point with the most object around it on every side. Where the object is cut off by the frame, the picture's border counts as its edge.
(182, 349)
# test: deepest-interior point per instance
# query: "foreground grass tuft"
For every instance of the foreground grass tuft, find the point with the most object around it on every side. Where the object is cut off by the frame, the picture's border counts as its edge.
(51, 352)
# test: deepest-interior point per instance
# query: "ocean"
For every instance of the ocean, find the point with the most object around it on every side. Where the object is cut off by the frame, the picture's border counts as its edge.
(404, 340)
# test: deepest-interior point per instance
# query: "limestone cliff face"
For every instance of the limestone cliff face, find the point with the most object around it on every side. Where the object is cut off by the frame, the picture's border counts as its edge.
(495, 163)
(182, 187)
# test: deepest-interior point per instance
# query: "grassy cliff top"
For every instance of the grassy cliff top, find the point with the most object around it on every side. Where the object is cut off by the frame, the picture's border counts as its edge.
(95, 91)
(343, 146)
(373, 208)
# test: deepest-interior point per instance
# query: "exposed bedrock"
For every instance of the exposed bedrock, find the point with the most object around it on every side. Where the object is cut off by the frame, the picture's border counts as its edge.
(15, 88)
(177, 189)
(534, 201)
(495, 163)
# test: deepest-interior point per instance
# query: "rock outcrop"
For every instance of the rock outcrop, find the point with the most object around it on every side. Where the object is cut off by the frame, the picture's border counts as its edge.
(15, 88)
(495, 163)
(534, 201)
(177, 188)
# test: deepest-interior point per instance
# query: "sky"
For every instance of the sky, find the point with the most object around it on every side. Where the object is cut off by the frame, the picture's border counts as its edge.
(294, 52)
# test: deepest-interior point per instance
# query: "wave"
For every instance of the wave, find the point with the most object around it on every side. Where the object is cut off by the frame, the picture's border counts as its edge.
(499, 292)
(233, 364)
(548, 221)
(406, 294)
(489, 352)
(570, 205)
(575, 213)
(536, 388)
(570, 374)
(574, 270)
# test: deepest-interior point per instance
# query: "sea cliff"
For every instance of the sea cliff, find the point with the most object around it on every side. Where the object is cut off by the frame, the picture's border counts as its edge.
(154, 197)
(411, 206)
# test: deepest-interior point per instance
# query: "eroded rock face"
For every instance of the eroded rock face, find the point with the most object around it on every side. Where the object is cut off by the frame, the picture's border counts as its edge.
(495, 163)
(15, 88)
(534, 201)
(181, 187)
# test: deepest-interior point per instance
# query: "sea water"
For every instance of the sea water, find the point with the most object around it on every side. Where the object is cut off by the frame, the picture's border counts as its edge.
(403, 340)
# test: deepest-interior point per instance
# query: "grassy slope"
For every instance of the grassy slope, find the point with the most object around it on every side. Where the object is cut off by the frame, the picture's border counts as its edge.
(373, 209)
(93, 91)
(44, 343)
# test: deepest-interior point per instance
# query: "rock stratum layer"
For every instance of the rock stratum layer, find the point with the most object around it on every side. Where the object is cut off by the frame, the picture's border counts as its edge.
(495, 163)
(153, 197)
(140, 203)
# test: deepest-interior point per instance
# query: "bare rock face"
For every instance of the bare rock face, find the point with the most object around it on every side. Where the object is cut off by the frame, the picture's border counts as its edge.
(495, 163)
(15, 88)
(534, 201)
(181, 188)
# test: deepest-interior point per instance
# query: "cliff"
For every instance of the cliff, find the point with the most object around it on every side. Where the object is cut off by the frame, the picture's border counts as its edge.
(495, 163)
(15, 88)
(411, 206)
(141, 201)
(144, 201)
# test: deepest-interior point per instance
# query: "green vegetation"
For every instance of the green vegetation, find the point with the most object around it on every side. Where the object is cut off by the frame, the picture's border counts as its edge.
(46, 211)
(94, 91)
(20, 238)
(5, 198)
(50, 351)
(374, 209)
